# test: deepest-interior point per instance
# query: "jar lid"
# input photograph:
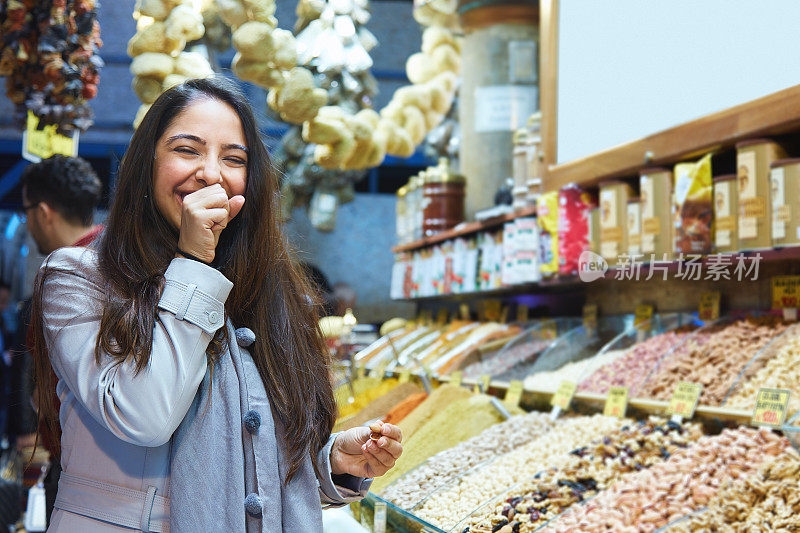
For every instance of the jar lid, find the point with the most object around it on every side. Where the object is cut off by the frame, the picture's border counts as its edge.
(726, 177)
(442, 173)
(518, 191)
(784, 162)
(634, 200)
(402, 191)
(751, 142)
(412, 184)
(535, 121)
(520, 136)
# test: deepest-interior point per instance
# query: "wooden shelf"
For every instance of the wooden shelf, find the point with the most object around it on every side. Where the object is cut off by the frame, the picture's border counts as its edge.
(556, 284)
(463, 230)
(774, 114)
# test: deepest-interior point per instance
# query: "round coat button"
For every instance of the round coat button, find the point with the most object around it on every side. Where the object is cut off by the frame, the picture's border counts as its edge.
(252, 504)
(252, 421)
(213, 317)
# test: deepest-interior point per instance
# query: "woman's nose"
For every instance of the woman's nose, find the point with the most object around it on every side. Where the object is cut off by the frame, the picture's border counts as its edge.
(209, 173)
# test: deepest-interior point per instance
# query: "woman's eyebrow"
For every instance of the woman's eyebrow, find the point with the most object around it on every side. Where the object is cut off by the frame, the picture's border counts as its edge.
(187, 136)
(235, 147)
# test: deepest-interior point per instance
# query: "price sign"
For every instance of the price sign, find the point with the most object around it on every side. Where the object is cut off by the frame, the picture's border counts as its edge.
(522, 313)
(709, 306)
(771, 405)
(492, 310)
(463, 310)
(590, 317)
(549, 329)
(441, 316)
(41, 142)
(616, 402)
(514, 392)
(785, 292)
(644, 313)
(483, 383)
(405, 376)
(379, 521)
(563, 396)
(456, 377)
(684, 399)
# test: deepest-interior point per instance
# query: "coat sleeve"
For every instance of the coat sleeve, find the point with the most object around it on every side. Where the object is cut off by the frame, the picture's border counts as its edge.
(338, 490)
(141, 408)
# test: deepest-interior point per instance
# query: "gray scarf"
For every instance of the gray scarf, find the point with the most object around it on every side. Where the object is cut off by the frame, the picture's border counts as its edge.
(227, 469)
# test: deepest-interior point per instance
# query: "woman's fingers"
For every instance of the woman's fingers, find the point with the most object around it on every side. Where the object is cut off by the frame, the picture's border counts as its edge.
(392, 432)
(384, 457)
(392, 446)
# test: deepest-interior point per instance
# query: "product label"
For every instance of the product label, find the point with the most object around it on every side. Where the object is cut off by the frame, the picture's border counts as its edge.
(785, 291)
(456, 377)
(723, 214)
(771, 405)
(563, 396)
(616, 402)
(651, 226)
(504, 107)
(644, 313)
(684, 400)
(709, 306)
(748, 208)
(514, 392)
(634, 228)
(781, 213)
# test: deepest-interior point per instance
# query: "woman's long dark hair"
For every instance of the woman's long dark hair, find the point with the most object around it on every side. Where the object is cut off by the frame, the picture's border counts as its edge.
(270, 294)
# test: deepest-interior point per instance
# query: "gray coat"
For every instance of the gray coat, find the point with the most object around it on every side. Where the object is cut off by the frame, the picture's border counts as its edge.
(117, 426)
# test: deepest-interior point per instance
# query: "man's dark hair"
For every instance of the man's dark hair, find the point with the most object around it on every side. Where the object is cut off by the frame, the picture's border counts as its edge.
(67, 184)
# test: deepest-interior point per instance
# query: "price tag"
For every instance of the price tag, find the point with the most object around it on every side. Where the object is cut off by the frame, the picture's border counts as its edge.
(40, 143)
(456, 377)
(483, 384)
(684, 399)
(590, 317)
(549, 329)
(441, 316)
(616, 402)
(644, 313)
(405, 376)
(522, 313)
(514, 392)
(785, 292)
(563, 396)
(709, 306)
(379, 522)
(463, 310)
(492, 310)
(771, 405)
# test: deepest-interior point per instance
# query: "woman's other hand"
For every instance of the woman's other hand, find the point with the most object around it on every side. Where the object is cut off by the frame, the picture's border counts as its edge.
(206, 212)
(354, 452)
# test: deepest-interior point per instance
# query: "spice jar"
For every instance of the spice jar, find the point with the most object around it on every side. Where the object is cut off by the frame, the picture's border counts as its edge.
(443, 204)
(534, 143)
(534, 191)
(520, 158)
(785, 195)
(655, 188)
(613, 217)
(412, 207)
(726, 202)
(634, 219)
(753, 159)
(401, 216)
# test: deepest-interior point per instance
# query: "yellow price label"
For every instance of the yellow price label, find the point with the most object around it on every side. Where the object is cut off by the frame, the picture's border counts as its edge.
(514, 392)
(644, 313)
(709, 306)
(590, 317)
(616, 402)
(785, 292)
(684, 399)
(483, 381)
(405, 376)
(522, 313)
(492, 310)
(771, 405)
(41, 143)
(456, 377)
(463, 310)
(441, 316)
(563, 396)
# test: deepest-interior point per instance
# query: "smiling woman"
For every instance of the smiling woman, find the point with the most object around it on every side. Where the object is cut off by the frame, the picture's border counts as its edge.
(191, 290)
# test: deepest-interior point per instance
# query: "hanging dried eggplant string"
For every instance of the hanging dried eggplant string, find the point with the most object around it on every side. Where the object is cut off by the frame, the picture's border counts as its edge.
(50, 60)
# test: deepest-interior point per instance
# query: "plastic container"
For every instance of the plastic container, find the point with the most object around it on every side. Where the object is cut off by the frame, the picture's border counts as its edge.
(726, 201)
(785, 200)
(613, 216)
(655, 190)
(753, 160)
(634, 219)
